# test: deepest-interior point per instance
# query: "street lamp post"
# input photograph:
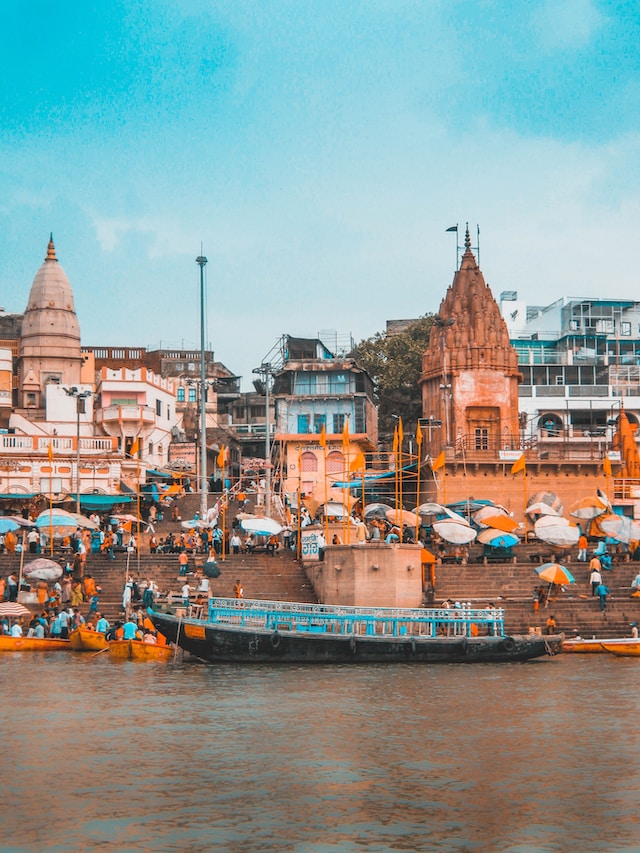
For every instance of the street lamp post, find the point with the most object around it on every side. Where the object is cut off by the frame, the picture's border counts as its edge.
(202, 262)
(80, 397)
(266, 370)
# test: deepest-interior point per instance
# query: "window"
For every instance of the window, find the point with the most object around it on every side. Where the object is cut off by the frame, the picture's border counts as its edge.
(168, 412)
(308, 462)
(191, 367)
(192, 393)
(319, 421)
(338, 383)
(158, 407)
(625, 328)
(51, 485)
(481, 438)
(150, 448)
(31, 398)
(181, 394)
(338, 423)
(335, 462)
(604, 326)
(305, 383)
(256, 411)
(303, 424)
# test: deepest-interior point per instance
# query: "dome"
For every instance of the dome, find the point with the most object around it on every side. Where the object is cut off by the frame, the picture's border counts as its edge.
(50, 325)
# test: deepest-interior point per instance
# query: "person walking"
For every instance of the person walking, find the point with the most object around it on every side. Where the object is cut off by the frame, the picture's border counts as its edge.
(238, 589)
(595, 578)
(582, 548)
(602, 591)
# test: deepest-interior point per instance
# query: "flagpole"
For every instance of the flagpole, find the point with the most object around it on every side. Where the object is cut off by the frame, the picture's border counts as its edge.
(50, 499)
(323, 442)
(418, 455)
(298, 523)
(400, 506)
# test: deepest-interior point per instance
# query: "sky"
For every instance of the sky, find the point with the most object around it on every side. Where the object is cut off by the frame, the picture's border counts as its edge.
(316, 153)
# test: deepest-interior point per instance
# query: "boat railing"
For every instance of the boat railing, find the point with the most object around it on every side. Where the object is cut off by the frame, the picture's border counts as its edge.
(389, 621)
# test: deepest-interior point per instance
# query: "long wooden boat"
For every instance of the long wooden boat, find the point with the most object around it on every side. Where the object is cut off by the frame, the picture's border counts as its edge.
(580, 646)
(33, 644)
(137, 650)
(84, 640)
(252, 631)
(627, 647)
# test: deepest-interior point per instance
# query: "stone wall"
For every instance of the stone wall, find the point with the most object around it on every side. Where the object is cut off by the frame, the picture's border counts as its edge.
(372, 575)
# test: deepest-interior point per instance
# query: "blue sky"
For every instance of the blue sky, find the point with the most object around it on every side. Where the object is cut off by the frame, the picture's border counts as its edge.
(318, 151)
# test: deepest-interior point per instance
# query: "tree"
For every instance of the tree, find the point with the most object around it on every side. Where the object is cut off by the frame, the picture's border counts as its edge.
(394, 363)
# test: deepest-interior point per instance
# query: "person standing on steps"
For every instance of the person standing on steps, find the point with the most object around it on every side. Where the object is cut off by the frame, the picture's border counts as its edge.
(238, 589)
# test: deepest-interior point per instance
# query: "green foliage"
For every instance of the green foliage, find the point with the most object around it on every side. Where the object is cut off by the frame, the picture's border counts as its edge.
(395, 364)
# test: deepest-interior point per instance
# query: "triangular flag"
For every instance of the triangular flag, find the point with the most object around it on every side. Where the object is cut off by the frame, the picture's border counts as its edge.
(135, 447)
(438, 462)
(395, 439)
(606, 466)
(419, 436)
(323, 437)
(359, 463)
(400, 433)
(221, 457)
(519, 465)
(345, 434)
(50, 451)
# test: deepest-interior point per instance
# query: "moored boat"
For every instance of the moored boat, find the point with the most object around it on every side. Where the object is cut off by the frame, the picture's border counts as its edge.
(580, 646)
(626, 647)
(33, 644)
(84, 640)
(253, 631)
(138, 650)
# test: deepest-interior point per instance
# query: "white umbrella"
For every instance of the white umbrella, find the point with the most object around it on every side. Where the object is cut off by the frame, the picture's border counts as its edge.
(620, 528)
(557, 531)
(12, 608)
(542, 508)
(43, 569)
(454, 532)
(488, 511)
(588, 508)
(454, 516)
(430, 508)
(261, 526)
(376, 510)
(335, 509)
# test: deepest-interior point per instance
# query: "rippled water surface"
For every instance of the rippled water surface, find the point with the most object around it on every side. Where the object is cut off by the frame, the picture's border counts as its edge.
(104, 755)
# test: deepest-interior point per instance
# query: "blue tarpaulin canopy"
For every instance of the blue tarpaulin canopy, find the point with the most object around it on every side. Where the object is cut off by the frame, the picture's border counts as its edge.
(104, 501)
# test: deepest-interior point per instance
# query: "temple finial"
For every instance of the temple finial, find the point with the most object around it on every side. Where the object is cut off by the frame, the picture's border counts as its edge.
(51, 249)
(467, 238)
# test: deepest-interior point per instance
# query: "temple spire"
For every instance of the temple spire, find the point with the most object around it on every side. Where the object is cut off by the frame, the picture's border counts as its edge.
(51, 249)
(467, 238)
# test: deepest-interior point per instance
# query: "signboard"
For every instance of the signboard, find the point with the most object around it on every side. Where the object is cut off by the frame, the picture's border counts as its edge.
(509, 455)
(183, 454)
(309, 544)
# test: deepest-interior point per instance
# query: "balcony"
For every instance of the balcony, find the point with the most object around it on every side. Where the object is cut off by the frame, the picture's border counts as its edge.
(126, 414)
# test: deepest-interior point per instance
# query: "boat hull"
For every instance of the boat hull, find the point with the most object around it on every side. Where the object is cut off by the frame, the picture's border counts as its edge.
(219, 643)
(622, 648)
(583, 647)
(83, 640)
(137, 650)
(33, 644)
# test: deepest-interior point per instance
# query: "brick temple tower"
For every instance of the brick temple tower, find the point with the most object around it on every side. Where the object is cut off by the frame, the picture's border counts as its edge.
(470, 370)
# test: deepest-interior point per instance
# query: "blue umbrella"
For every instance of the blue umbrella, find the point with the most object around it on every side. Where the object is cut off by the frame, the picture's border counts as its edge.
(497, 538)
(7, 524)
(56, 518)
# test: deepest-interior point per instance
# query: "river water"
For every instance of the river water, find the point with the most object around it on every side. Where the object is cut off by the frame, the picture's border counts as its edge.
(105, 755)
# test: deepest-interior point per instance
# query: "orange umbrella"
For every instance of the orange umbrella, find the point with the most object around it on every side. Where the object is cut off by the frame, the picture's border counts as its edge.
(501, 522)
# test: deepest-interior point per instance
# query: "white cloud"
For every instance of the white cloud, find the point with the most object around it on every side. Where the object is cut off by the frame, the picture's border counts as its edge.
(567, 24)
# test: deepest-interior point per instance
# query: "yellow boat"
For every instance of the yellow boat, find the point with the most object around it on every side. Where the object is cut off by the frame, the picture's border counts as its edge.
(628, 648)
(33, 644)
(84, 640)
(581, 646)
(137, 650)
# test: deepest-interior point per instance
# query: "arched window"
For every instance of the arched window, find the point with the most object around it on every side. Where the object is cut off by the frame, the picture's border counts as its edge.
(550, 423)
(150, 448)
(335, 462)
(308, 462)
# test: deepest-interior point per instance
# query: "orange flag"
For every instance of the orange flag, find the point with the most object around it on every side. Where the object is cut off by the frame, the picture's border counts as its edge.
(438, 462)
(50, 451)
(606, 466)
(359, 463)
(221, 457)
(323, 437)
(135, 447)
(418, 435)
(519, 465)
(345, 434)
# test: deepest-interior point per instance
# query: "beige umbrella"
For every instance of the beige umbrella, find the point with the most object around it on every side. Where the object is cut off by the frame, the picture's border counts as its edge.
(430, 508)
(588, 508)
(542, 508)
(486, 512)
(620, 528)
(454, 532)
(557, 531)
(403, 516)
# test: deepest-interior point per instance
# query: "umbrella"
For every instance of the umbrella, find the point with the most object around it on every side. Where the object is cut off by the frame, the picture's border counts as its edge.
(549, 498)
(541, 508)
(430, 508)
(83, 521)
(12, 608)
(489, 511)
(501, 522)
(56, 518)
(43, 569)
(7, 523)
(460, 519)
(335, 509)
(376, 510)
(261, 526)
(620, 528)
(554, 573)
(454, 532)
(403, 516)
(20, 521)
(497, 538)
(587, 508)
(557, 531)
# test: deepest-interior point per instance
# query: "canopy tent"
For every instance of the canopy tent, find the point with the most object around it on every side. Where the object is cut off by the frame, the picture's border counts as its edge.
(104, 502)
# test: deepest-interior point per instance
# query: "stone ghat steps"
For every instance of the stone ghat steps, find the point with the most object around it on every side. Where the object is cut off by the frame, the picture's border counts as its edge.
(279, 577)
(512, 587)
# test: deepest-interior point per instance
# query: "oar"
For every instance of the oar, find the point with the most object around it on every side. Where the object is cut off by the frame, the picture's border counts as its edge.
(106, 649)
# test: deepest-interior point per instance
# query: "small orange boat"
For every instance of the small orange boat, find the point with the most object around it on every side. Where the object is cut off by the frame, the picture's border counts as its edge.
(33, 644)
(137, 650)
(580, 646)
(84, 640)
(627, 648)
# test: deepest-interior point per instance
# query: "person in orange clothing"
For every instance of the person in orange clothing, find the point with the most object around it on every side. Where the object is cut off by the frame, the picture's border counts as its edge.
(10, 542)
(89, 588)
(42, 594)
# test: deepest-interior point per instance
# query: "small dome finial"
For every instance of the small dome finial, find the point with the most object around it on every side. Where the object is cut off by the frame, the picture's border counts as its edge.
(51, 249)
(467, 238)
